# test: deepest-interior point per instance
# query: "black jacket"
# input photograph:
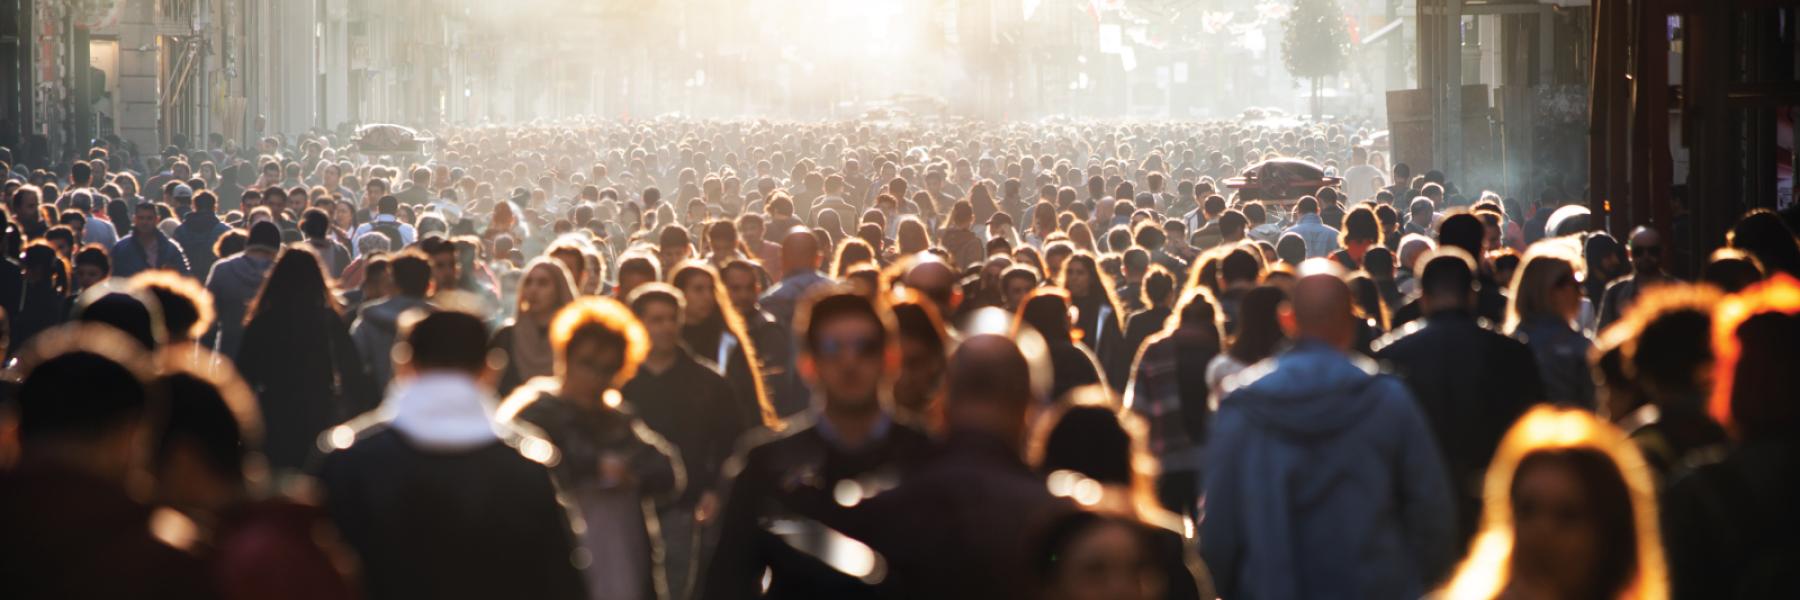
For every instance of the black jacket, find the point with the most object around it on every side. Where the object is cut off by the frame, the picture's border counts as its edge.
(71, 535)
(1730, 528)
(961, 526)
(1472, 384)
(472, 523)
(692, 407)
(746, 546)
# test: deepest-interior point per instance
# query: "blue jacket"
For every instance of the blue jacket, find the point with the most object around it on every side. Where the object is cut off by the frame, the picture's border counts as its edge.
(128, 256)
(1323, 481)
(1321, 239)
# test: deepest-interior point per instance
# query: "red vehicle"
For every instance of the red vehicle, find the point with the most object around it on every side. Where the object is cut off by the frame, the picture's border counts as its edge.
(1282, 180)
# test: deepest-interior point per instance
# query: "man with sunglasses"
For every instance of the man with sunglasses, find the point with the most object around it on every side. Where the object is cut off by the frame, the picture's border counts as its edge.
(1646, 271)
(852, 445)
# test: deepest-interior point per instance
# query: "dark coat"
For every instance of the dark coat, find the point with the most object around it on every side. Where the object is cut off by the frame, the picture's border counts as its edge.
(692, 407)
(961, 526)
(196, 235)
(746, 547)
(307, 377)
(476, 523)
(1730, 528)
(129, 258)
(1472, 384)
(71, 535)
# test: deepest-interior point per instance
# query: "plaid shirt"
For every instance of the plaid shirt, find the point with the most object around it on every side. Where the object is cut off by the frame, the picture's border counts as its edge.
(1155, 394)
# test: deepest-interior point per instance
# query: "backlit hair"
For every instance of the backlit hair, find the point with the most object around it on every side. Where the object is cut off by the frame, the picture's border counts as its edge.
(1546, 430)
(606, 319)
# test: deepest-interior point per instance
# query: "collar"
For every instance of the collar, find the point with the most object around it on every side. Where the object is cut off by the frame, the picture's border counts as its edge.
(443, 411)
(883, 424)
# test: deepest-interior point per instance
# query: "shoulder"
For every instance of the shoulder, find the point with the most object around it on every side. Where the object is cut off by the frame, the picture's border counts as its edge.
(1397, 340)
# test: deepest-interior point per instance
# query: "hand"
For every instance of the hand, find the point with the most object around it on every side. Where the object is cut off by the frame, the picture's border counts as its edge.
(707, 507)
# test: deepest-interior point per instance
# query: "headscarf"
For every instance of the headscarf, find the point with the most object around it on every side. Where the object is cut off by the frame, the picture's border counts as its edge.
(531, 352)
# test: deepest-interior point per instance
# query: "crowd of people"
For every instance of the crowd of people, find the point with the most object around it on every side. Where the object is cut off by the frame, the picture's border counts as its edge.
(677, 359)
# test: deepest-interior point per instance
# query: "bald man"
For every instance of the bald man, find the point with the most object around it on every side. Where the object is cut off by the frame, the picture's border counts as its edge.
(1322, 478)
(799, 274)
(1646, 271)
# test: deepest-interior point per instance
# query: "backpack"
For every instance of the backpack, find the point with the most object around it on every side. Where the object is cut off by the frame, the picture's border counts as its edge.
(391, 231)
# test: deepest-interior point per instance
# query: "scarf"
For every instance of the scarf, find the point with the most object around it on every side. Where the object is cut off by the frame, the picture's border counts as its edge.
(531, 353)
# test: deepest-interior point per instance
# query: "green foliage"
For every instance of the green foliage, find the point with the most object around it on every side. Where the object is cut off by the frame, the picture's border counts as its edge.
(1317, 43)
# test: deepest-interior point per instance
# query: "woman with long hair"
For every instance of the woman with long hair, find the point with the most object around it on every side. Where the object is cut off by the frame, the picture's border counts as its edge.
(913, 237)
(1542, 311)
(1098, 317)
(1046, 310)
(1259, 336)
(43, 302)
(297, 356)
(1084, 439)
(1169, 389)
(545, 288)
(714, 330)
(1570, 513)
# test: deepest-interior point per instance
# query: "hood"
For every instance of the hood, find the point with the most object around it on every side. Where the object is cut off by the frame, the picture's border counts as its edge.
(387, 312)
(444, 412)
(1331, 393)
(244, 270)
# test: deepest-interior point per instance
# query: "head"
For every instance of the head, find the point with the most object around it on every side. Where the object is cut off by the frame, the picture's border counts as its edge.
(990, 388)
(92, 266)
(1646, 251)
(1094, 555)
(1570, 512)
(850, 351)
(1546, 285)
(83, 402)
(636, 270)
(545, 288)
(1753, 336)
(187, 308)
(446, 270)
(924, 352)
(1321, 308)
(799, 252)
(743, 283)
(442, 342)
(598, 344)
(206, 452)
(659, 307)
(144, 220)
(1447, 282)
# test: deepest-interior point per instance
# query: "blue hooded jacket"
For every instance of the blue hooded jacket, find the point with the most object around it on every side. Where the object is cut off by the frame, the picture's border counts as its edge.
(1323, 481)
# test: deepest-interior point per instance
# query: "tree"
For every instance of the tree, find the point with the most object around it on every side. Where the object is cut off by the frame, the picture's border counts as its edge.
(1317, 44)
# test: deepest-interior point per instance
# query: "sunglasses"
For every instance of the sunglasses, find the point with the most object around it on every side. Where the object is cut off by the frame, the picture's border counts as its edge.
(858, 347)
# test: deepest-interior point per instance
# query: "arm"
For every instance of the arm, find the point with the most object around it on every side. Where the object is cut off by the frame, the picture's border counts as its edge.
(1221, 511)
(1427, 511)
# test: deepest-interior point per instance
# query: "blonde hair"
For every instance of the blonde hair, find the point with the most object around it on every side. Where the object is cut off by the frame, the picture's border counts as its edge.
(1544, 263)
(1487, 570)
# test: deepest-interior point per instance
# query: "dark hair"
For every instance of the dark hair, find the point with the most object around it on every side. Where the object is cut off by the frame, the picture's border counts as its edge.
(1307, 205)
(1089, 440)
(1213, 204)
(1379, 262)
(1259, 331)
(1361, 225)
(1047, 311)
(1447, 275)
(79, 394)
(199, 415)
(1463, 230)
(448, 340)
(296, 285)
(1158, 283)
(412, 273)
(841, 304)
(1762, 233)
(1291, 248)
(94, 254)
(314, 223)
(1233, 223)
(1240, 264)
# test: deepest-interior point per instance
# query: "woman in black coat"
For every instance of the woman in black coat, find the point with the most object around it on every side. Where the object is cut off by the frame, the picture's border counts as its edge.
(298, 358)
